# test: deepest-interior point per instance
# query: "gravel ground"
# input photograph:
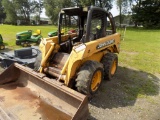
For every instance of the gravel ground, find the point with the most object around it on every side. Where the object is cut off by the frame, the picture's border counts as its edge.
(131, 95)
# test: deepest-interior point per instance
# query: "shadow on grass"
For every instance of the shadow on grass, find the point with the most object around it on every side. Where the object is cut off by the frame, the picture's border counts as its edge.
(6, 44)
(7, 47)
(125, 88)
(6, 50)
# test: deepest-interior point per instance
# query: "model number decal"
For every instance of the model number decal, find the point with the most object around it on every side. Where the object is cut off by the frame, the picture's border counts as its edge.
(101, 45)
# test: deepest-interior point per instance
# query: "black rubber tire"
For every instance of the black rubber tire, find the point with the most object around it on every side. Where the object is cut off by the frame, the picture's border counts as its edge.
(24, 44)
(37, 63)
(85, 76)
(18, 42)
(38, 41)
(2, 47)
(107, 61)
(3, 64)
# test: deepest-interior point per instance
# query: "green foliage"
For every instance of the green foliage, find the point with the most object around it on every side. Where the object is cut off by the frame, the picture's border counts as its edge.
(99, 3)
(123, 6)
(2, 13)
(147, 13)
(25, 8)
(21, 10)
(85, 2)
(11, 16)
(37, 9)
(53, 7)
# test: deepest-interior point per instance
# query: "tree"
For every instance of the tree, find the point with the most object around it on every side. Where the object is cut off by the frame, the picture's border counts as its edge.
(21, 10)
(147, 13)
(9, 8)
(25, 8)
(123, 7)
(2, 13)
(53, 7)
(38, 9)
(98, 3)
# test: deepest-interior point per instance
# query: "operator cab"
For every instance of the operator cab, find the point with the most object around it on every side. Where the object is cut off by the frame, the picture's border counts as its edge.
(82, 25)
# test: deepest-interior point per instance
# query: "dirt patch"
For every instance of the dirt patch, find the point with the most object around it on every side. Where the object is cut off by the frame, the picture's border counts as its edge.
(129, 53)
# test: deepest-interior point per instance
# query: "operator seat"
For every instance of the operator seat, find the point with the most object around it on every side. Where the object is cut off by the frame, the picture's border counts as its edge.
(38, 32)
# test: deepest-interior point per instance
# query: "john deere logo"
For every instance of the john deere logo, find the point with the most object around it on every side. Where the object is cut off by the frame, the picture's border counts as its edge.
(109, 42)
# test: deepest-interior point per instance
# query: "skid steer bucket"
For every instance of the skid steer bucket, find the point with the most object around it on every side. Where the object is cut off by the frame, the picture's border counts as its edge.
(28, 95)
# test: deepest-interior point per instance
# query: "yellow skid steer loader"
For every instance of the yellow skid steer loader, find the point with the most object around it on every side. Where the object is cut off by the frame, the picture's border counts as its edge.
(69, 70)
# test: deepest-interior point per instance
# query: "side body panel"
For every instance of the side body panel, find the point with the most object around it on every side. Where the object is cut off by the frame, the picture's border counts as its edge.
(93, 50)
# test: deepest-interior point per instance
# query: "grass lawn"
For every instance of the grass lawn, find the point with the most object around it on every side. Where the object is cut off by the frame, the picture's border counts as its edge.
(8, 32)
(141, 50)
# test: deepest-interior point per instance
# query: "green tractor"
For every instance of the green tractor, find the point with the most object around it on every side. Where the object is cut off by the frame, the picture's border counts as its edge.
(55, 33)
(2, 46)
(26, 37)
(52, 33)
